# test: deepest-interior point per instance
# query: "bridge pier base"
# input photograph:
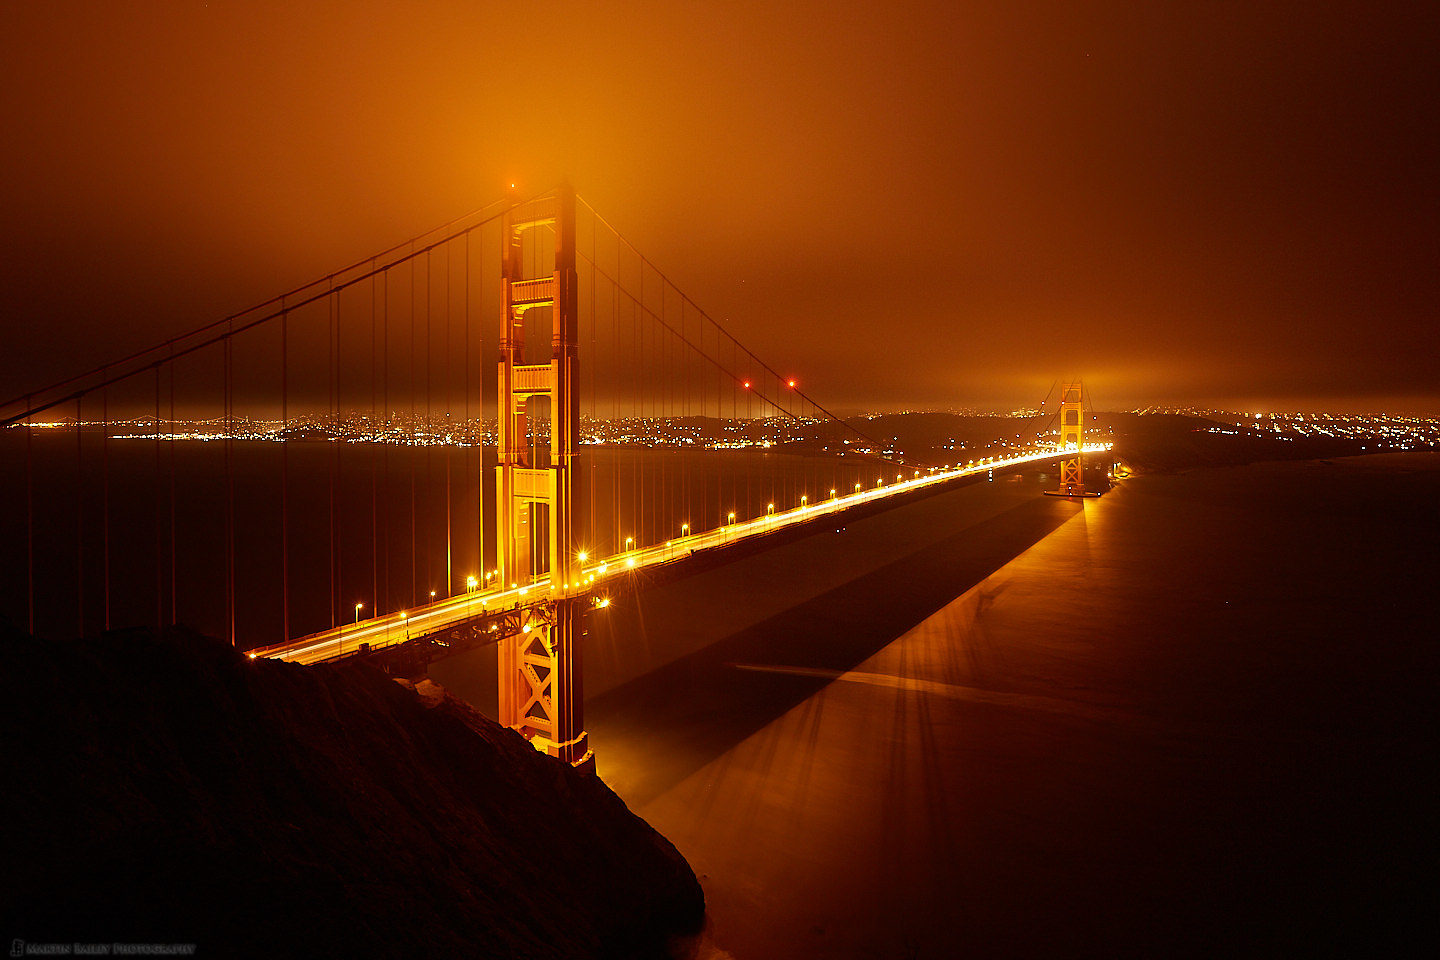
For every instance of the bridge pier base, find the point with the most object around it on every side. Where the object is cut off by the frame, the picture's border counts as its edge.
(541, 689)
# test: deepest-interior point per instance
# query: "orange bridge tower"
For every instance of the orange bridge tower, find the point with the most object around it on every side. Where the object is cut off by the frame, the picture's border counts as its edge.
(535, 487)
(1072, 442)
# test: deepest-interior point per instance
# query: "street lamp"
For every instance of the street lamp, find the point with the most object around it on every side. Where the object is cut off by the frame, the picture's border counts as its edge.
(471, 583)
(357, 611)
(684, 529)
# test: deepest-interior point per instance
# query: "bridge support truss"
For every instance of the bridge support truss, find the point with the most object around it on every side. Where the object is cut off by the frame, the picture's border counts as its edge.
(540, 680)
(1072, 438)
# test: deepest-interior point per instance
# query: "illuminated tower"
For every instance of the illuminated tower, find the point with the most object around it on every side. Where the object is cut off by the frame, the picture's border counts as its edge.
(1072, 437)
(540, 687)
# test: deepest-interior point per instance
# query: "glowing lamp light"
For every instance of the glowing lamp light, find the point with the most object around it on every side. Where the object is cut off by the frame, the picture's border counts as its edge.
(792, 384)
(582, 556)
(747, 384)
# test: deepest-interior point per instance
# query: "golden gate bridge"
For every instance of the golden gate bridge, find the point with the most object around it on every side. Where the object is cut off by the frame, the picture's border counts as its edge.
(607, 382)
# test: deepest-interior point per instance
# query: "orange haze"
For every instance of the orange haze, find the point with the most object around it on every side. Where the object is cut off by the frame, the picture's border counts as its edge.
(909, 204)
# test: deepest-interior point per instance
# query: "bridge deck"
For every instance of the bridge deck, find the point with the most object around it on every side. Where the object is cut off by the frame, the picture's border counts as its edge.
(431, 618)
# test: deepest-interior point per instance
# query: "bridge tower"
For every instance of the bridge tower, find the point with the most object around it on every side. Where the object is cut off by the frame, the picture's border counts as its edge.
(540, 680)
(1072, 437)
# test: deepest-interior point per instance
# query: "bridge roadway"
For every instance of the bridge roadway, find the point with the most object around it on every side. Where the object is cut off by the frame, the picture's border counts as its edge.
(432, 618)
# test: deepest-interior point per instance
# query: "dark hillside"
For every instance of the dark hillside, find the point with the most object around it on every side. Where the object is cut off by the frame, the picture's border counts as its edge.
(172, 790)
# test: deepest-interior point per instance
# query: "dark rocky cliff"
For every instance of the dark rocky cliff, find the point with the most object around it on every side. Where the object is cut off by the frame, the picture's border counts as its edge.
(170, 789)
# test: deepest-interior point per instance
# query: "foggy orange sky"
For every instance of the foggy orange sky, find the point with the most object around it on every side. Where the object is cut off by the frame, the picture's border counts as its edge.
(912, 205)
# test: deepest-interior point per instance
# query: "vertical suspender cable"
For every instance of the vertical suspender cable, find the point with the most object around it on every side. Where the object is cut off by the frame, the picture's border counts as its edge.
(429, 552)
(594, 407)
(159, 547)
(666, 371)
(332, 348)
(230, 600)
(673, 386)
(284, 477)
(465, 405)
(30, 518)
(450, 426)
(170, 426)
(645, 412)
(105, 496)
(410, 456)
(79, 518)
(618, 384)
(375, 438)
(385, 441)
